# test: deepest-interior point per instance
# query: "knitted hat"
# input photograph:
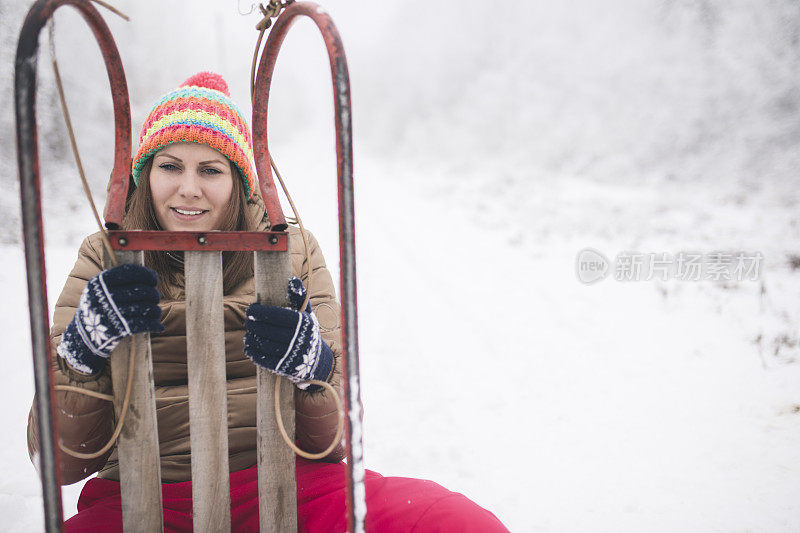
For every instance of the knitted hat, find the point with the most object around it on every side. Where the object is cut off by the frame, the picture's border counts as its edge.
(200, 111)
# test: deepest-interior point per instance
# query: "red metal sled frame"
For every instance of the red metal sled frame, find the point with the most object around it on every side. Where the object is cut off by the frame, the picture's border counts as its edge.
(33, 234)
(347, 254)
(203, 241)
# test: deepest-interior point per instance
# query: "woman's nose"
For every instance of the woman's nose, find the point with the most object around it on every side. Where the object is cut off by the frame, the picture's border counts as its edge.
(190, 186)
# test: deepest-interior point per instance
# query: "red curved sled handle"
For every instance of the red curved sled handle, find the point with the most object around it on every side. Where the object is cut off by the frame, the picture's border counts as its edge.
(30, 192)
(347, 261)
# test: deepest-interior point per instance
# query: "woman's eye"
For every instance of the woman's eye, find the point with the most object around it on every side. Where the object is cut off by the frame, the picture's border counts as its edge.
(211, 170)
(168, 167)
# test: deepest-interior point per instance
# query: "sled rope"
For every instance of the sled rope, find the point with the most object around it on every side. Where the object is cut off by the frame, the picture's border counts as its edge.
(339, 408)
(112, 9)
(271, 10)
(93, 394)
(131, 360)
(68, 121)
(339, 425)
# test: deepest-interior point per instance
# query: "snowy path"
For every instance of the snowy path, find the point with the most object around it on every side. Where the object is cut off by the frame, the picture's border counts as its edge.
(614, 407)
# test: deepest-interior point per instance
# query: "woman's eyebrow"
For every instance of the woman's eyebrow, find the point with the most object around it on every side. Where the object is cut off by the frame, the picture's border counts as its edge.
(201, 162)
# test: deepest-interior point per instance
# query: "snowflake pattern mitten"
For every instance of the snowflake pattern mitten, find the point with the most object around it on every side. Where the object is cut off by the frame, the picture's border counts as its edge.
(116, 303)
(286, 341)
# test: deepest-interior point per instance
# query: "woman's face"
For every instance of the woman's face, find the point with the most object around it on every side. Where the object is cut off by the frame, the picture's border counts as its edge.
(191, 185)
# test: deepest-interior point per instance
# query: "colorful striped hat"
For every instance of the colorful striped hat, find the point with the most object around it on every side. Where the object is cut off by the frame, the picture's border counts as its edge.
(200, 111)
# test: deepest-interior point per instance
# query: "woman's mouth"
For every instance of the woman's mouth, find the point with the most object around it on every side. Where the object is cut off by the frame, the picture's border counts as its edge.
(184, 213)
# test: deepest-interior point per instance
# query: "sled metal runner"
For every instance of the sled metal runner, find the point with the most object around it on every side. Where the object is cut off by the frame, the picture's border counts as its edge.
(138, 442)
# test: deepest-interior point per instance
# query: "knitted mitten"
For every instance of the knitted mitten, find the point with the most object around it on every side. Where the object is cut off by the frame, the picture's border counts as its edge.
(115, 303)
(286, 341)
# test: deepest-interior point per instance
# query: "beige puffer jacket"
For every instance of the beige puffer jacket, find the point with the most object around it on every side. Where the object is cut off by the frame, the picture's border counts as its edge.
(85, 423)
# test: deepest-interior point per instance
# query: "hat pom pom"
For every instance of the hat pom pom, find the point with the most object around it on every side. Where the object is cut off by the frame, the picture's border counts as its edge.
(209, 80)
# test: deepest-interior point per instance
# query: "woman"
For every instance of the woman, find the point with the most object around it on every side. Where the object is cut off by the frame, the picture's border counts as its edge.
(194, 172)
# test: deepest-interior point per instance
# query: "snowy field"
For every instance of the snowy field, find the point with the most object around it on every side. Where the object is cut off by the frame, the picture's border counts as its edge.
(489, 152)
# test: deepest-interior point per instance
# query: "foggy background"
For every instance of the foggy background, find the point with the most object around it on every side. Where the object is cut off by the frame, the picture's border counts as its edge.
(492, 143)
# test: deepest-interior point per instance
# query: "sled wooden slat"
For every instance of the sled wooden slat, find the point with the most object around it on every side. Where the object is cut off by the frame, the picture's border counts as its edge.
(137, 447)
(208, 400)
(277, 489)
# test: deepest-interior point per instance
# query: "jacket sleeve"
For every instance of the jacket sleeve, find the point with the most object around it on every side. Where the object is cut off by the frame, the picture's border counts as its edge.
(85, 424)
(316, 417)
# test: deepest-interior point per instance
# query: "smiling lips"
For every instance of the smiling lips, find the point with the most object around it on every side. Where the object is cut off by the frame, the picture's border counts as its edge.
(183, 213)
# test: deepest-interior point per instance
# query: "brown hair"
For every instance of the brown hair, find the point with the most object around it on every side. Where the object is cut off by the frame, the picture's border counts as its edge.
(140, 214)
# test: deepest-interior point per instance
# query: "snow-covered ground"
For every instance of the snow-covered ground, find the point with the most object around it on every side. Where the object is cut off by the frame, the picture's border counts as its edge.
(489, 152)
(562, 407)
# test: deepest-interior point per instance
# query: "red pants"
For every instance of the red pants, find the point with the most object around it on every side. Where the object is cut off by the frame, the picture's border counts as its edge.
(394, 504)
